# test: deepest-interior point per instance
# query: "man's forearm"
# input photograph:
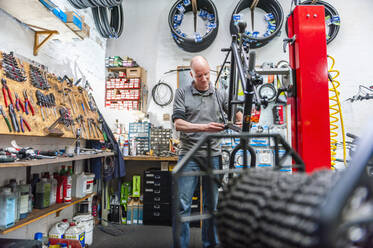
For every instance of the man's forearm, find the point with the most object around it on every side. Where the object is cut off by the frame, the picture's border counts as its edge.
(187, 127)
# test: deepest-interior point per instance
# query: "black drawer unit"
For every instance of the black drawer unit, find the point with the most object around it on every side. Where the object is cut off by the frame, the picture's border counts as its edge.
(157, 178)
(157, 197)
(157, 187)
(157, 214)
(151, 198)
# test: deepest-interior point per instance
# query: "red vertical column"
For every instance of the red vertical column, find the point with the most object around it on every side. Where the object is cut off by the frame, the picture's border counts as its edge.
(310, 103)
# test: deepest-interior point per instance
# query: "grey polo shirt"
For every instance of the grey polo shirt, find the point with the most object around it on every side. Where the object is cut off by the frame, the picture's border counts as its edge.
(198, 107)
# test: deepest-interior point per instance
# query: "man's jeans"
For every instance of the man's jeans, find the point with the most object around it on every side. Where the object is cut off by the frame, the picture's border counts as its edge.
(186, 187)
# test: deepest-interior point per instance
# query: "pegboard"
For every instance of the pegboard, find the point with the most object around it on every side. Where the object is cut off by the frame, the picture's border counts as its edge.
(74, 100)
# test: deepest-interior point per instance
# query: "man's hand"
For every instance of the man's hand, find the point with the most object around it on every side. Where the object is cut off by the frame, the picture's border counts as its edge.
(213, 127)
(239, 117)
(238, 123)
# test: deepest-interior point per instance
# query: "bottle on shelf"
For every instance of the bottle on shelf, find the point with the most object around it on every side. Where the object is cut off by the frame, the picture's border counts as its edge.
(35, 179)
(68, 185)
(54, 185)
(43, 191)
(59, 190)
(13, 185)
(24, 199)
(7, 208)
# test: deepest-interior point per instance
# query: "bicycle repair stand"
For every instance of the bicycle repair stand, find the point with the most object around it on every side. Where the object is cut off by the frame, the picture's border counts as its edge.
(310, 95)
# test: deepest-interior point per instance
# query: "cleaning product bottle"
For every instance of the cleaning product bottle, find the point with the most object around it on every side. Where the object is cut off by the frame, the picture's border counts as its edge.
(35, 179)
(24, 196)
(63, 179)
(59, 190)
(7, 208)
(13, 185)
(74, 232)
(54, 185)
(42, 197)
(67, 186)
(58, 229)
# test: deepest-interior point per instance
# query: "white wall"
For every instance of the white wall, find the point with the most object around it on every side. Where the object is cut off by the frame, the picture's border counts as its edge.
(147, 39)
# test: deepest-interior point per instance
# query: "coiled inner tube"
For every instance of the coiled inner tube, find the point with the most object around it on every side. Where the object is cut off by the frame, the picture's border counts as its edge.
(207, 11)
(274, 17)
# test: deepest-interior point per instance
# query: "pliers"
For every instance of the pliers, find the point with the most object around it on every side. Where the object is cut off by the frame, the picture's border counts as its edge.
(21, 121)
(5, 118)
(19, 103)
(5, 91)
(28, 104)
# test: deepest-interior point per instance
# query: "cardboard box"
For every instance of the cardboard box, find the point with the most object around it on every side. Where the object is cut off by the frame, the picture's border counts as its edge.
(74, 21)
(134, 72)
(84, 33)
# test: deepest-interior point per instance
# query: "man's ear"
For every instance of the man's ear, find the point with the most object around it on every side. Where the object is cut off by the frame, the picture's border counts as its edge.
(191, 74)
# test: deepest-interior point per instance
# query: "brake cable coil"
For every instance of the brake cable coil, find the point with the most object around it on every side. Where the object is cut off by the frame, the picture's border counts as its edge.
(158, 99)
(207, 11)
(274, 17)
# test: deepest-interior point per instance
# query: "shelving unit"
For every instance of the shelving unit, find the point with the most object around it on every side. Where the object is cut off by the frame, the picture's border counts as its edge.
(121, 93)
(54, 161)
(38, 214)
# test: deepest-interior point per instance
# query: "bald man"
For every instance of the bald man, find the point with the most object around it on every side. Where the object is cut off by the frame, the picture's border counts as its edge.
(196, 112)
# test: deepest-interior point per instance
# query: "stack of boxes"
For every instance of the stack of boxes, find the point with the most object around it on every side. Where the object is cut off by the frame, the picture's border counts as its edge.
(123, 89)
(157, 197)
(117, 61)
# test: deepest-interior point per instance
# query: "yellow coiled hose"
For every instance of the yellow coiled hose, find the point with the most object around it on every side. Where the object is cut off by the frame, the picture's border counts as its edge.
(335, 114)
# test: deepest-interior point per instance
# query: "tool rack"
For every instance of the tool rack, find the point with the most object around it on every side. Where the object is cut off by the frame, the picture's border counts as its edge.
(74, 100)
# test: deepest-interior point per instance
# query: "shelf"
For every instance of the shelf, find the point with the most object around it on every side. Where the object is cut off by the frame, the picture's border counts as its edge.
(35, 13)
(150, 158)
(38, 214)
(55, 160)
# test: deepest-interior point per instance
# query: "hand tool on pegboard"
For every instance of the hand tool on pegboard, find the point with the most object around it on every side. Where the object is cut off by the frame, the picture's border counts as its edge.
(22, 122)
(11, 68)
(53, 104)
(5, 118)
(40, 102)
(65, 119)
(80, 120)
(19, 104)
(6, 91)
(92, 127)
(13, 117)
(66, 93)
(84, 102)
(28, 104)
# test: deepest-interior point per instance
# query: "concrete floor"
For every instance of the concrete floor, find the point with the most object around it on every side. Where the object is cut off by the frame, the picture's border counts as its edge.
(141, 236)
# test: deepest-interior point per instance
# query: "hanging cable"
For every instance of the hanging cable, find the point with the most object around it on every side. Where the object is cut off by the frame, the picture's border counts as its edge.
(335, 114)
(162, 94)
